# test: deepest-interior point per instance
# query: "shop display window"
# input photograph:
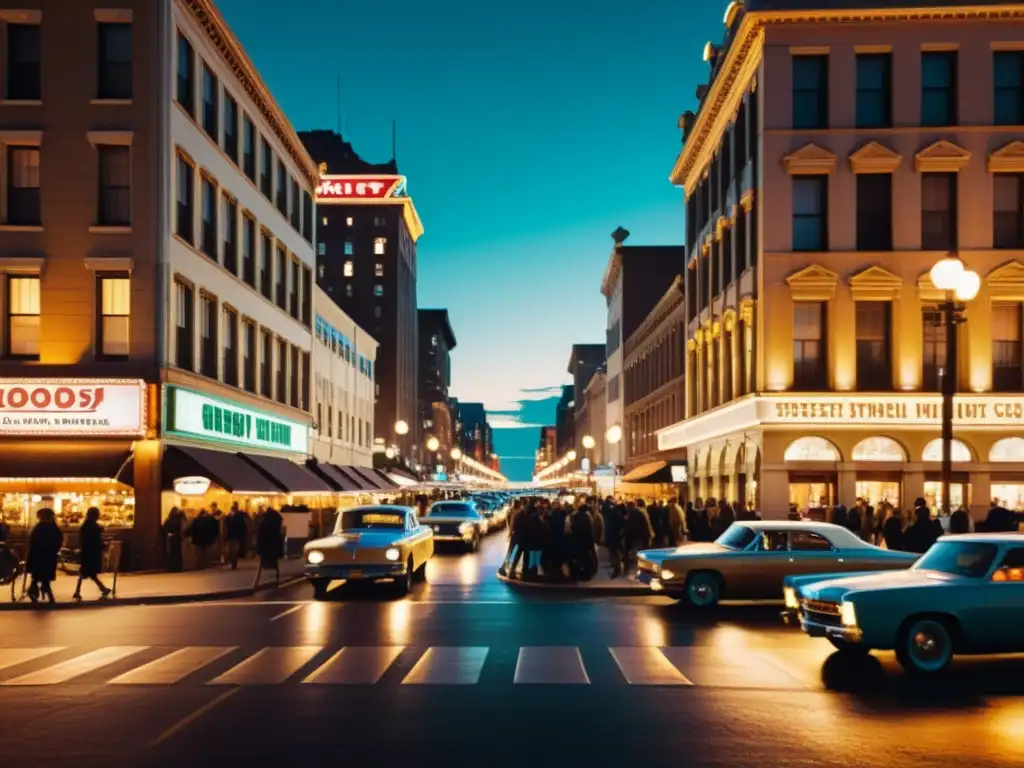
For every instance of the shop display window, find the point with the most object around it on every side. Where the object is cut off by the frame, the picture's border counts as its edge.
(876, 492)
(1009, 495)
(933, 451)
(1008, 449)
(959, 494)
(878, 449)
(117, 507)
(811, 449)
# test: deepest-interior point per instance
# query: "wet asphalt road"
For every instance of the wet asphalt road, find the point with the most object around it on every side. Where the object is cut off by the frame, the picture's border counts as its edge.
(468, 672)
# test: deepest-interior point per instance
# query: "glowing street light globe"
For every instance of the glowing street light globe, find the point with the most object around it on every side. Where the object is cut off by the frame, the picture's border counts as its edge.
(588, 442)
(433, 444)
(389, 452)
(456, 454)
(401, 427)
(571, 455)
(614, 434)
(970, 284)
(946, 274)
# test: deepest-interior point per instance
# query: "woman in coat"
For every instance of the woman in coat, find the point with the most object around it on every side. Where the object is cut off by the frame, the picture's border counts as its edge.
(269, 543)
(90, 541)
(44, 545)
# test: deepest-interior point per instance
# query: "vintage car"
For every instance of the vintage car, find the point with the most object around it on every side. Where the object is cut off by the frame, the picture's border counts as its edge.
(965, 595)
(370, 544)
(750, 560)
(458, 522)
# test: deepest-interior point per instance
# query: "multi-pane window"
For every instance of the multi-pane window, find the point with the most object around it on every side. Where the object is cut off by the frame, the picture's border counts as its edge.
(810, 213)
(282, 188)
(933, 335)
(1007, 210)
(23, 203)
(249, 148)
(938, 88)
(304, 390)
(249, 356)
(281, 295)
(186, 91)
(185, 207)
(115, 193)
(874, 212)
(809, 359)
(1008, 82)
(873, 326)
(208, 233)
(293, 292)
(266, 363)
(294, 201)
(211, 103)
(24, 310)
(938, 212)
(114, 68)
(184, 310)
(230, 235)
(293, 395)
(267, 169)
(1006, 347)
(348, 269)
(281, 367)
(266, 263)
(24, 82)
(230, 347)
(307, 216)
(208, 316)
(307, 296)
(230, 127)
(810, 92)
(874, 90)
(115, 302)
(249, 250)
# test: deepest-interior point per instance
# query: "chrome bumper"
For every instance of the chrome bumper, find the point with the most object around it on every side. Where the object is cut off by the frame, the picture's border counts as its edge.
(465, 539)
(816, 629)
(360, 572)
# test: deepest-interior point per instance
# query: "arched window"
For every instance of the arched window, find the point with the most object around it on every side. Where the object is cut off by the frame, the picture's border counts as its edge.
(1008, 449)
(811, 449)
(878, 449)
(933, 451)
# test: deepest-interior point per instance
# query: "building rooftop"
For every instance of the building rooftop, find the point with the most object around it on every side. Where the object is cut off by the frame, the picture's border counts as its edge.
(344, 159)
(439, 318)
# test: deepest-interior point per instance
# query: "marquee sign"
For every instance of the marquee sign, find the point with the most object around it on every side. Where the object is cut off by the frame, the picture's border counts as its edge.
(72, 407)
(200, 417)
(359, 189)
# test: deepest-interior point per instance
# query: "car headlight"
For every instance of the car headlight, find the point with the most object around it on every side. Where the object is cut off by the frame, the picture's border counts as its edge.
(466, 528)
(314, 557)
(848, 614)
(791, 600)
(667, 575)
(437, 529)
(392, 554)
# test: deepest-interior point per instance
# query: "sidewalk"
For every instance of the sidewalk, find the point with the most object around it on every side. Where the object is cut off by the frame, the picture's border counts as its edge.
(601, 585)
(216, 583)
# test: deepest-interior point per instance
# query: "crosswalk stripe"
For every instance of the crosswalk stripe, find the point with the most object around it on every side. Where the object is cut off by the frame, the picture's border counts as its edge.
(647, 665)
(12, 657)
(448, 666)
(355, 665)
(268, 666)
(173, 667)
(78, 666)
(720, 668)
(551, 665)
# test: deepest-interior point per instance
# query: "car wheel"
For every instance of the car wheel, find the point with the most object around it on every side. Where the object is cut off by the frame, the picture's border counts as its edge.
(320, 588)
(703, 590)
(925, 646)
(420, 574)
(403, 584)
(846, 647)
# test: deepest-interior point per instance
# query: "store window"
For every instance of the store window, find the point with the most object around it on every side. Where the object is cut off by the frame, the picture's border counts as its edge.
(933, 451)
(811, 449)
(1007, 449)
(878, 449)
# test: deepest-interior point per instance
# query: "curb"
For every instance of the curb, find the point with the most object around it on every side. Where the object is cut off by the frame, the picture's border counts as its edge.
(197, 597)
(586, 590)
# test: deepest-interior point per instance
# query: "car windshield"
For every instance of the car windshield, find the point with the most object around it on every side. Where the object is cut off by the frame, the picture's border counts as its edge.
(376, 519)
(959, 558)
(736, 537)
(450, 510)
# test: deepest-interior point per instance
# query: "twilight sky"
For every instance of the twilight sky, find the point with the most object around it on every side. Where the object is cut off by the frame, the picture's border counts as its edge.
(528, 131)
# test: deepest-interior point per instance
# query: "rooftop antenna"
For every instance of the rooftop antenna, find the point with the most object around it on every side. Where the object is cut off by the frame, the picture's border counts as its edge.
(339, 102)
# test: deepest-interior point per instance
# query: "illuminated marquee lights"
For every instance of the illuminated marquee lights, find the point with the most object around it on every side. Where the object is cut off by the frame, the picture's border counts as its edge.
(335, 189)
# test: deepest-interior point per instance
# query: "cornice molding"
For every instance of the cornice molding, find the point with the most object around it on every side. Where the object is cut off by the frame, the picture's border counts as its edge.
(220, 35)
(1009, 158)
(813, 283)
(744, 56)
(810, 159)
(926, 290)
(1006, 282)
(747, 312)
(875, 158)
(941, 157)
(875, 284)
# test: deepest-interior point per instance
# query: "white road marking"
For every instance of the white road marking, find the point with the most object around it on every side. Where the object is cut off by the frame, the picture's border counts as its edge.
(12, 657)
(551, 665)
(269, 666)
(647, 665)
(356, 665)
(78, 666)
(288, 612)
(192, 717)
(173, 667)
(448, 666)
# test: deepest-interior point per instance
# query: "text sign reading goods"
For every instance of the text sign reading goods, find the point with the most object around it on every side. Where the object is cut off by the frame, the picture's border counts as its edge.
(68, 407)
(347, 189)
(200, 417)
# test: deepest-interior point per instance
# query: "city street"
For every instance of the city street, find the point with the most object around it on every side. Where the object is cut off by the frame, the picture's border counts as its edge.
(469, 671)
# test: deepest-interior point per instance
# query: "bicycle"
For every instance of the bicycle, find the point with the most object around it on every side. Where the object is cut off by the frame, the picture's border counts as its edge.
(12, 568)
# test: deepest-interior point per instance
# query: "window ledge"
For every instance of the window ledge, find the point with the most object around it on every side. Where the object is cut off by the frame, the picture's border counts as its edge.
(21, 102)
(21, 227)
(111, 102)
(108, 229)
(110, 264)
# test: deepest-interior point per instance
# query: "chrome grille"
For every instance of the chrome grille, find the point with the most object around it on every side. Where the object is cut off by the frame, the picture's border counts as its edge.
(820, 606)
(645, 565)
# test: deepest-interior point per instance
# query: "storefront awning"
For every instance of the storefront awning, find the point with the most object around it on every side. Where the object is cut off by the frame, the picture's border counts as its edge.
(95, 459)
(386, 480)
(335, 476)
(655, 472)
(294, 478)
(228, 470)
(371, 480)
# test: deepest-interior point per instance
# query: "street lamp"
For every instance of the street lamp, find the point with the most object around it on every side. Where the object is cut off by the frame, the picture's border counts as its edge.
(389, 452)
(960, 286)
(614, 437)
(433, 444)
(456, 454)
(588, 442)
(401, 427)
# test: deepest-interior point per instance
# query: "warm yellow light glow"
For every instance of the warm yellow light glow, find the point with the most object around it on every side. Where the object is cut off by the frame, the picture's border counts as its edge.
(401, 427)
(946, 274)
(588, 442)
(571, 455)
(456, 454)
(389, 452)
(969, 285)
(614, 434)
(433, 444)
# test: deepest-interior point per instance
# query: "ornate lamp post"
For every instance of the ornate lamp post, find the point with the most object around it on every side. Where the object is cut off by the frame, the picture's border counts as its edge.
(588, 445)
(960, 285)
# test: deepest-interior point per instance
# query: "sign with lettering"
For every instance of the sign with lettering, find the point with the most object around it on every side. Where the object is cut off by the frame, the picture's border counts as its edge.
(69, 407)
(925, 410)
(354, 189)
(201, 417)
